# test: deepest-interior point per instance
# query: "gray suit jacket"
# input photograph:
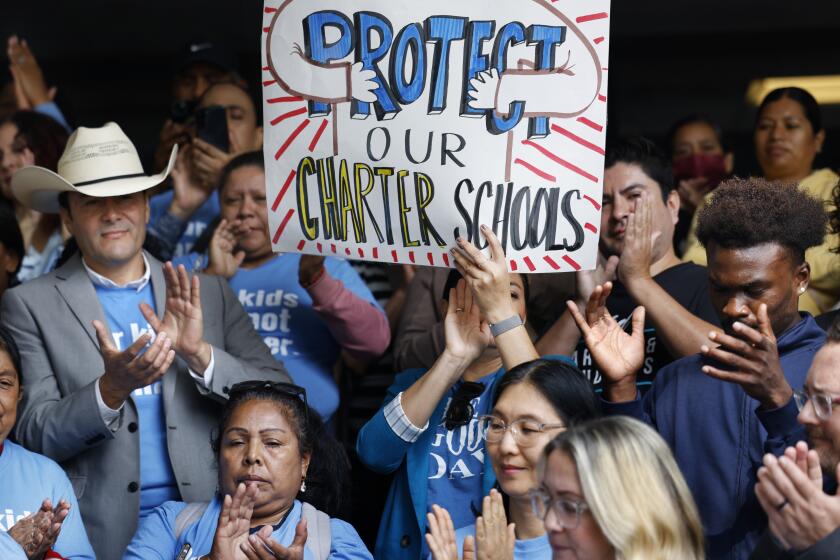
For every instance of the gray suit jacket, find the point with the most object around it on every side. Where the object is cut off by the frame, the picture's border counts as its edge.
(50, 319)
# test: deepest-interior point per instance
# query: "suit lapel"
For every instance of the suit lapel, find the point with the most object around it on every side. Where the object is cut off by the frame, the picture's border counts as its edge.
(78, 292)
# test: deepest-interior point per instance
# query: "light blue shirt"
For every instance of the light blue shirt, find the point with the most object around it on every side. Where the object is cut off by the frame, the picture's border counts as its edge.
(529, 549)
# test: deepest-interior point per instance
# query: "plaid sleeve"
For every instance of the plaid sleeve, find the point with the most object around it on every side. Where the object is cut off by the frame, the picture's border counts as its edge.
(399, 422)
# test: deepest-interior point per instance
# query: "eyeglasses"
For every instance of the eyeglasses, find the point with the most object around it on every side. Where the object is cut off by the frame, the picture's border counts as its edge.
(525, 432)
(566, 512)
(823, 403)
(460, 410)
(287, 389)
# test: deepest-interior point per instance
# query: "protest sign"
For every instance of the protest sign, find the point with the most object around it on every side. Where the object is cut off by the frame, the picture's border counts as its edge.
(393, 127)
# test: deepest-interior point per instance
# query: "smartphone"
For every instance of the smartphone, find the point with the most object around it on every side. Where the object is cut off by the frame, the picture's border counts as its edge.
(211, 126)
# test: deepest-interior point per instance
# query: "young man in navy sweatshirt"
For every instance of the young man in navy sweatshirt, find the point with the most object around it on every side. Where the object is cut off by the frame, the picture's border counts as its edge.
(722, 409)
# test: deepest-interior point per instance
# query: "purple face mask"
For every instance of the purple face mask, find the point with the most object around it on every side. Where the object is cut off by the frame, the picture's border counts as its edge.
(711, 167)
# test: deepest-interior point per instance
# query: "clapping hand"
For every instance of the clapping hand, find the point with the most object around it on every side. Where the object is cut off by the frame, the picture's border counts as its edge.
(494, 536)
(37, 533)
(188, 194)
(260, 545)
(752, 361)
(639, 237)
(30, 87)
(487, 278)
(619, 355)
(183, 321)
(789, 488)
(441, 535)
(234, 523)
(224, 260)
(466, 334)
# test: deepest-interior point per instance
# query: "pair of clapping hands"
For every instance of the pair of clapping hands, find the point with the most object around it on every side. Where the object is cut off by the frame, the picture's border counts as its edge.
(494, 537)
(790, 489)
(36, 534)
(748, 358)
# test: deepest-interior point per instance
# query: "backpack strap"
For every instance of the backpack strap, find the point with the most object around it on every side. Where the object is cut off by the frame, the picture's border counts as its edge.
(319, 533)
(189, 515)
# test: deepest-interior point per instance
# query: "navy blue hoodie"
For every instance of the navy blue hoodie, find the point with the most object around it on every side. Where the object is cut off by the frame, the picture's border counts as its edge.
(719, 436)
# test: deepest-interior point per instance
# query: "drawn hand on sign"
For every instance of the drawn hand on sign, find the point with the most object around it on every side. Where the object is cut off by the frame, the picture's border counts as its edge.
(483, 90)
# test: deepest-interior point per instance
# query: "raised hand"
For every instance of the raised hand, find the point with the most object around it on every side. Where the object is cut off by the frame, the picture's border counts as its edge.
(260, 545)
(488, 279)
(131, 368)
(619, 355)
(586, 280)
(790, 491)
(441, 535)
(494, 537)
(752, 361)
(208, 161)
(188, 193)
(37, 533)
(637, 252)
(466, 335)
(183, 321)
(309, 268)
(234, 523)
(224, 261)
(30, 87)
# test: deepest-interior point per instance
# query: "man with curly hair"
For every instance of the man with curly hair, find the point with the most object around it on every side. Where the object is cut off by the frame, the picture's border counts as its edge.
(722, 409)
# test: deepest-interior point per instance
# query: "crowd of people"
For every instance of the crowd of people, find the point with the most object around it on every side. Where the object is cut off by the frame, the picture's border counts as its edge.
(170, 388)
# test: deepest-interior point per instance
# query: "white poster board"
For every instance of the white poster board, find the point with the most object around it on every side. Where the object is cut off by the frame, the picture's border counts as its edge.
(393, 127)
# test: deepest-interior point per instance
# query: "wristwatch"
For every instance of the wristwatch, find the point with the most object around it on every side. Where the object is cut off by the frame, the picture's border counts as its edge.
(505, 325)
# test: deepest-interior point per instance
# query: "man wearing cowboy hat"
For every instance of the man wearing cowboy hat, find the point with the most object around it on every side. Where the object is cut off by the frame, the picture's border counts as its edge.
(124, 358)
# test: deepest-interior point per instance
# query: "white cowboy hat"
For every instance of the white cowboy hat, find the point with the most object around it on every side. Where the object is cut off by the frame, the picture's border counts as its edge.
(96, 162)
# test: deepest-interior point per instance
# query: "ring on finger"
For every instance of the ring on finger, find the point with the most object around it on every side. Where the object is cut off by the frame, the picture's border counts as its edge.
(459, 309)
(781, 506)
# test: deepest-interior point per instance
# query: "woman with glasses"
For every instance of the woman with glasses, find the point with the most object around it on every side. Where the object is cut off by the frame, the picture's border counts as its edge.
(427, 431)
(532, 403)
(610, 489)
(276, 466)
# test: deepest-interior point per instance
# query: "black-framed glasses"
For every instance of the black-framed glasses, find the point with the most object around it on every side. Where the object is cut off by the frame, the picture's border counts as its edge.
(461, 410)
(567, 512)
(525, 431)
(287, 389)
(823, 403)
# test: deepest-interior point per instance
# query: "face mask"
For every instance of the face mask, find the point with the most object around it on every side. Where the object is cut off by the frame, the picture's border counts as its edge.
(712, 167)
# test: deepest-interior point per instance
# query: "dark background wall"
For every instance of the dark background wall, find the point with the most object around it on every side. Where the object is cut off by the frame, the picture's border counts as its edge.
(112, 60)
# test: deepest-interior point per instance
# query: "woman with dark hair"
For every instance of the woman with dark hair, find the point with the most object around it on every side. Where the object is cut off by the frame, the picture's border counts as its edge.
(788, 136)
(29, 138)
(281, 479)
(11, 247)
(531, 403)
(40, 514)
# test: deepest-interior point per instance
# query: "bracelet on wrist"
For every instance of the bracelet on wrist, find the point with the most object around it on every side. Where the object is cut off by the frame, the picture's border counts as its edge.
(314, 279)
(505, 325)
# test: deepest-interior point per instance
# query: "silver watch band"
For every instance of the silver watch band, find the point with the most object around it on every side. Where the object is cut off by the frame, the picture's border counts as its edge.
(505, 325)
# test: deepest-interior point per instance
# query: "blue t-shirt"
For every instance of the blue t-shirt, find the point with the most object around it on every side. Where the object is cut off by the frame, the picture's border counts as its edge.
(456, 460)
(196, 225)
(121, 307)
(156, 540)
(26, 480)
(537, 548)
(281, 311)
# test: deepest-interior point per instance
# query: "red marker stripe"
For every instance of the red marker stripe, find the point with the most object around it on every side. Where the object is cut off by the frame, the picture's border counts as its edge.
(361, 253)
(347, 251)
(602, 97)
(291, 139)
(598, 40)
(376, 252)
(446, 259)
(280, 229)
(529, 264)
(590, 227)
(411, 256)
(269, 10)
(535, 171)
(591, 17)
(269, 82)
(318, 135)
(332, 246)
(288, 115)
(431, 258)
(301, 244)
(513, 266)
(590, 124)
(266, 29)
(604, 68)
(572, 262)
(394, 255)
(283, 190)
(266, 68)
(594, 202)
(572, 136)
(284, 99)
(561, 161)
(551, 262)
(320, 247)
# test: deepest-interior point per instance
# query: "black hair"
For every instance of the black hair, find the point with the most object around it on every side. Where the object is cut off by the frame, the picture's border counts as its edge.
(748, 212)
(561, 383)
(41, 134)
(834, 215)
(809, 105)
(637, 150)
(8, 345)
(695, 118)
(328, 475)
(10, 235)
(454, 276)
(833, 332)
(256, 103)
